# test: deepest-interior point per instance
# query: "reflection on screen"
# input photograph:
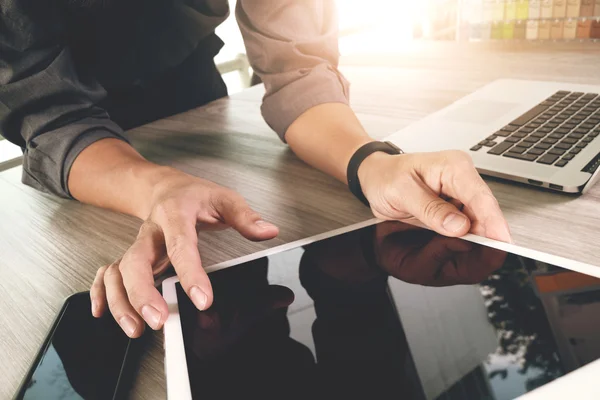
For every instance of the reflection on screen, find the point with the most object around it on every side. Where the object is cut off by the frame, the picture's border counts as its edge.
(83, 359)
(390, 311)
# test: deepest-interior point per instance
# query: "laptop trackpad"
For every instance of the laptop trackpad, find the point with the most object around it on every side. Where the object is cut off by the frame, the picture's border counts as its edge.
(479, 111)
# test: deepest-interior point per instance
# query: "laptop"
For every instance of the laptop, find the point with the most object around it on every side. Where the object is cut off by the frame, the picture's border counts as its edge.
(543, 134)
(391, 311)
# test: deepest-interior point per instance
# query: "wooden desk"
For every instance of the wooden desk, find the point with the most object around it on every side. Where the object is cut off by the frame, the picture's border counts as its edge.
(50, 248)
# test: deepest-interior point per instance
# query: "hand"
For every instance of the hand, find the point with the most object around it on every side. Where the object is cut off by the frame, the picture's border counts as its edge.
(422, 257)
(180, 204)
(443, 190)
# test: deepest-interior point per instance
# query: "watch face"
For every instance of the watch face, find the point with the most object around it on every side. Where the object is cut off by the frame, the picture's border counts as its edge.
(393, 146)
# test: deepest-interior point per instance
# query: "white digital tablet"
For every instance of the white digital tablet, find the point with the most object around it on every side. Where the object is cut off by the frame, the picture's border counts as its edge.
(387, 310)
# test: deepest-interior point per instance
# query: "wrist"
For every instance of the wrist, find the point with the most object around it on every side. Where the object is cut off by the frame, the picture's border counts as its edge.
(370, 165)
(153, 180)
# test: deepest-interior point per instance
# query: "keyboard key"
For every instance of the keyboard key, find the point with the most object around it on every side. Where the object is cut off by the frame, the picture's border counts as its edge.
(576, 150)
(545, 129)
(510, 128)
(525, 144)
(543, 146)
(492, 137)
(556, 136)
(536, 152)
(590, 96)
(581, 145)
(519, 135)
(502, 133)
(594, 133)
(561, 93)
(559, 152)
(538, 134)
(582, 130)
(548, 159)
(524, 157)
(568, 126)
(575, 136)
(526, 130)
(550, 141)
(529, 115)
(476, 147)
(568, 157)
(551, 125)
(518, 149)
(487, 143)
(563, 131)
(533, 125)
(500, 148)
(561, 163)
(531, 139)
(587, 139)
(564, 146)
(587, 126)
(511, 140)
(569, 141)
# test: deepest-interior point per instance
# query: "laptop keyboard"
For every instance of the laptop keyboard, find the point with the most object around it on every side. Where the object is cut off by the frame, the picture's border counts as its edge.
(553, 133)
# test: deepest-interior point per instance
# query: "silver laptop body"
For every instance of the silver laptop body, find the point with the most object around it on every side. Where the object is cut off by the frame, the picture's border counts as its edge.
(468, 123)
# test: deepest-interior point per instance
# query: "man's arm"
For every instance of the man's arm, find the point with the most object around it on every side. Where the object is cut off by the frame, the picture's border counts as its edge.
(293, 47)
(73, 149)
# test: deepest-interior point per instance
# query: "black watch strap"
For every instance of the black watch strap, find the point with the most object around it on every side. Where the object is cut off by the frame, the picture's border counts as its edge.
(357, 159)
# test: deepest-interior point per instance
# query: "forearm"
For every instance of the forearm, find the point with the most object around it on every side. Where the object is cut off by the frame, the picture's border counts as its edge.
(326, 137)
(111, 174)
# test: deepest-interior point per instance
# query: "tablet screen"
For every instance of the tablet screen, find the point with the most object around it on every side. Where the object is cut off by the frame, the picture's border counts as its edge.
(390, 311)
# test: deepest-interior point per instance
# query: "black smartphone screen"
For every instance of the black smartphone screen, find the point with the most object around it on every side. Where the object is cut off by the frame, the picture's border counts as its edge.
(82, 357)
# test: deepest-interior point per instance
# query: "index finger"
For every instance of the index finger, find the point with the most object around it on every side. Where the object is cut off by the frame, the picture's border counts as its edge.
(480, 205)
(181, 240)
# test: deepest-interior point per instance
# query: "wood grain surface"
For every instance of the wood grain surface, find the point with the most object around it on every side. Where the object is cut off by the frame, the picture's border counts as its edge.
(51, 248)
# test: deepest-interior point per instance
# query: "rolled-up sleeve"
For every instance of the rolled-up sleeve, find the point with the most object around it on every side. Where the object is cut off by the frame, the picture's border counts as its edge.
(46, 107)
(292, 46)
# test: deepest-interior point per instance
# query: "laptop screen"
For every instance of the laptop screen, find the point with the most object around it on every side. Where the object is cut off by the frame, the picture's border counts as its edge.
(390, 311)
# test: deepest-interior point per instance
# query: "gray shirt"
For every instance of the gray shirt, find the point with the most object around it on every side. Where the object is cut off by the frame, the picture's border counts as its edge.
(56, 60)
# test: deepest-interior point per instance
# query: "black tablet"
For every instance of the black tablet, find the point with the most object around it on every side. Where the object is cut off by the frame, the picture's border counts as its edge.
(386, 311)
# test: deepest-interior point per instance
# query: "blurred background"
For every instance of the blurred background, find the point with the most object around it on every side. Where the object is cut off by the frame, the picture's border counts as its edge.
(386, 26)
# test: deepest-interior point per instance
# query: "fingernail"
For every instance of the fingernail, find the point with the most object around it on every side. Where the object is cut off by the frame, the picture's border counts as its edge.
(198, 297)
(264, 225)
(94, 307)
(454, 222)
(151, 316)
(128, 325)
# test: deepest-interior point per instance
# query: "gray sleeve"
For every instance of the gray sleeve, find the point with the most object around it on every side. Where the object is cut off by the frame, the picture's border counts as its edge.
(45, 106)
(293, 46)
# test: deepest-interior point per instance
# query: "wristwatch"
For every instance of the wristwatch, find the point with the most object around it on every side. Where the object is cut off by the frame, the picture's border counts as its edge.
(357, 159)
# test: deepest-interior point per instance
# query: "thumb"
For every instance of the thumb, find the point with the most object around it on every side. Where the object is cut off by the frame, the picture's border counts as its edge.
(439, 215)
(235, 212)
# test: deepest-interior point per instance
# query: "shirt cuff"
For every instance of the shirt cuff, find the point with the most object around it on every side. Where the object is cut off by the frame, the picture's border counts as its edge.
(320, 85)
(47, 164)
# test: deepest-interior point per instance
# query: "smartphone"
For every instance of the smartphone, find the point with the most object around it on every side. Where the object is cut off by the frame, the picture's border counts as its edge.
(82, 357)
(386, 311)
